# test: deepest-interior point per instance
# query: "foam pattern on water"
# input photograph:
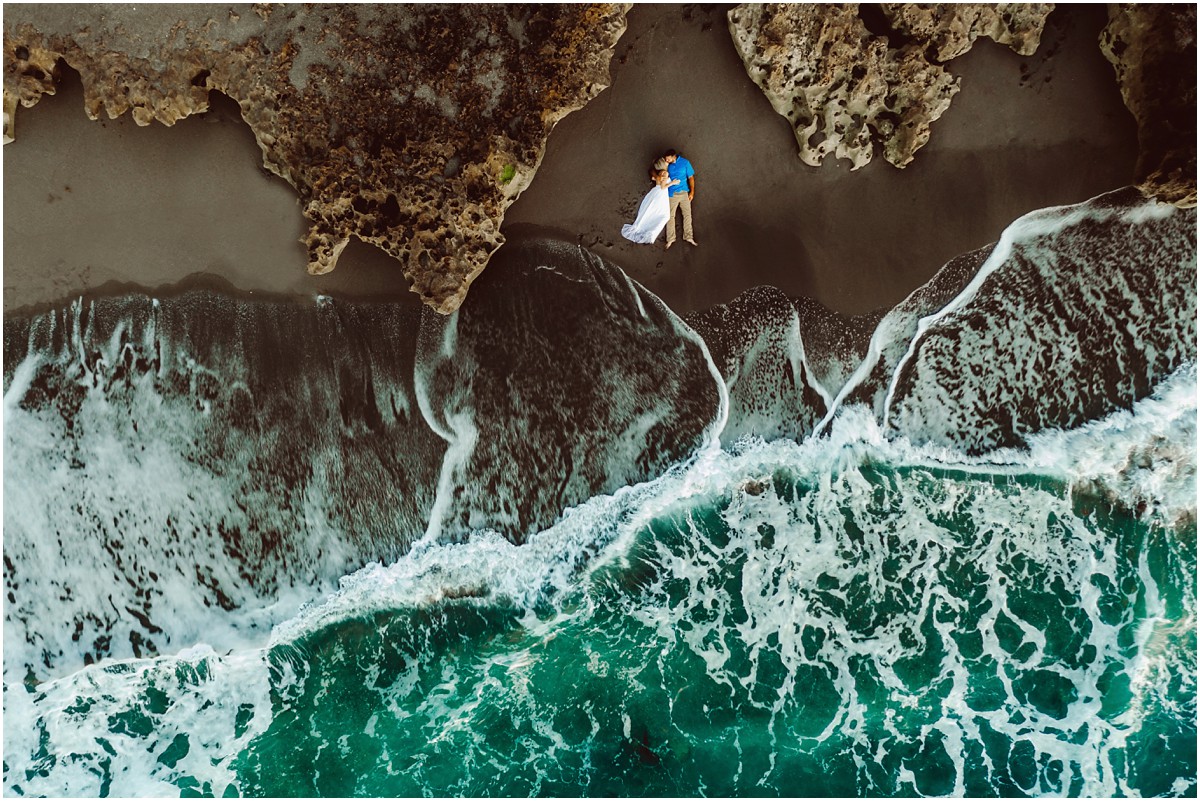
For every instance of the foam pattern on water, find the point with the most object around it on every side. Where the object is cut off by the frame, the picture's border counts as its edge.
(558, 379)
(852, 615)
(139, 728)
(926, 637)
(756, 343)
(1078, 311)
(169, 461)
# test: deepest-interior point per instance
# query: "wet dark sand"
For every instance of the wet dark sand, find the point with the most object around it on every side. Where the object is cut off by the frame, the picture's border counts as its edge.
(855, 241)
(87, 204)
(93, 204)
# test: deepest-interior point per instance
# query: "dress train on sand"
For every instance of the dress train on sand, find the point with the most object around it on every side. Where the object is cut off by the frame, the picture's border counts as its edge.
(651, 217)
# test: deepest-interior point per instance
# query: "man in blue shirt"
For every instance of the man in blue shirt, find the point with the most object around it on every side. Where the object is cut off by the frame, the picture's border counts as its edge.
(680, 195)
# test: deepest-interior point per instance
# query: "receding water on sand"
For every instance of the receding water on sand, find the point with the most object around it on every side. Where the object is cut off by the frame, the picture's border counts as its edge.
(843, 617)
(271, 548)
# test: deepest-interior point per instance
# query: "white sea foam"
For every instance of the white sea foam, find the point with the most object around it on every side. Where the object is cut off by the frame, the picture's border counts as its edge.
(900, 548)
(215, 704)
(164, 543)
(814, 567)
(1076, 310)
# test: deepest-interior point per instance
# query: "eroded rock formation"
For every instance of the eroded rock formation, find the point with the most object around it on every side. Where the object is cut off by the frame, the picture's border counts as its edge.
(950, 30)
(1153, 49)
(411, 127)
(848, 78)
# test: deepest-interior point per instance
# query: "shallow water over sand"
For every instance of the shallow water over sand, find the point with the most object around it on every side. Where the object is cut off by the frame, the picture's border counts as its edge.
(271, 548)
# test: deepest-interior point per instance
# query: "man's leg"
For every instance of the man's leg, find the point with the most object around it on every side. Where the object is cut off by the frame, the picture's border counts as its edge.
(686, 205)
(674, 206)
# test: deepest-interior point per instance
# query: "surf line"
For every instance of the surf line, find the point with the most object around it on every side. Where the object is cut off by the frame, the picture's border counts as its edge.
(459, 431)
(1026, 228)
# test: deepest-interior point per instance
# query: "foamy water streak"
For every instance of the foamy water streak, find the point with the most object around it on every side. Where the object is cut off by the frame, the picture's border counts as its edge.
(562, 379)
(852, 613)
(1077, 311)
(168, 461)
(760, 354)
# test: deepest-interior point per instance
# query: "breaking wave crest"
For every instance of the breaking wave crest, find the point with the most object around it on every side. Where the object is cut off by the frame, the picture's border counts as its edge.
(563, 542)
(168, 461)
(850, 615)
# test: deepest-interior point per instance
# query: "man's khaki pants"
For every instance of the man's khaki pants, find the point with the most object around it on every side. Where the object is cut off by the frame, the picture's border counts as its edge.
(680, 201)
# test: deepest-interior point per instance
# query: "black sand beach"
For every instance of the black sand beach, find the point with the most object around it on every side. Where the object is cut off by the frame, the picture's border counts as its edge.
(1023, 133)
(841, 503)
(89, 203)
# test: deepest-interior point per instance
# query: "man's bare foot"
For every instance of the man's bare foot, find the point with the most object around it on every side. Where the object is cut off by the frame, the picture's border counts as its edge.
(668, 247)
(691, 242)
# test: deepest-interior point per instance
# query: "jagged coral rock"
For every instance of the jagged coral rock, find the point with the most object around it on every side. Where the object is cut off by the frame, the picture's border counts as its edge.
(840, 87)
(33, 73)
(948, 31)
(412, 127)
(845, 89)
(1153, 49)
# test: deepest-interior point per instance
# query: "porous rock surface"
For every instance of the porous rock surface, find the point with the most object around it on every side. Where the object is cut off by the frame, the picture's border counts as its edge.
(845, 87)
(412, 127)
(948, 30)
(1153, 49)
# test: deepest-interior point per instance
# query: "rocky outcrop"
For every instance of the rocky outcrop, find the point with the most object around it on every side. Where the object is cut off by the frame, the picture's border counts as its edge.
(411, 127)
(1153, 49)
(849, 78)
(947, 31)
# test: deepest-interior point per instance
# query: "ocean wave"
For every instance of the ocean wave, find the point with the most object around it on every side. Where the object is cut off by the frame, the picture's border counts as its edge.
(757, 554)
(1076, 312)
(868, 604)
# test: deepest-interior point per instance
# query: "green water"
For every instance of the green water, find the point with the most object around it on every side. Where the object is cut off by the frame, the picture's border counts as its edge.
(883, 632)
(764, 627)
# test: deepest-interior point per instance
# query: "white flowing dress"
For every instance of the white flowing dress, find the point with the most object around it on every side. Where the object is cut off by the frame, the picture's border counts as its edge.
(651, 217)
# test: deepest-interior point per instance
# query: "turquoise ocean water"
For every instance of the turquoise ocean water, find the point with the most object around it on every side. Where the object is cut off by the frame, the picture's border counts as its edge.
(890, 602)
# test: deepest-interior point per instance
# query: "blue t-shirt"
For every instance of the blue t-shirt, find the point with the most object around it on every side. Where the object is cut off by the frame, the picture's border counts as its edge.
(681, 169)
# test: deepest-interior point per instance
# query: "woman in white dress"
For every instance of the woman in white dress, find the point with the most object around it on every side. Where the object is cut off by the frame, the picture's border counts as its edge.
(654, 211)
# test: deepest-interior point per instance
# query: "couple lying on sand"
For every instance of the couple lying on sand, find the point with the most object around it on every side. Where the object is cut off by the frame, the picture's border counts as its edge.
(674, 186)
